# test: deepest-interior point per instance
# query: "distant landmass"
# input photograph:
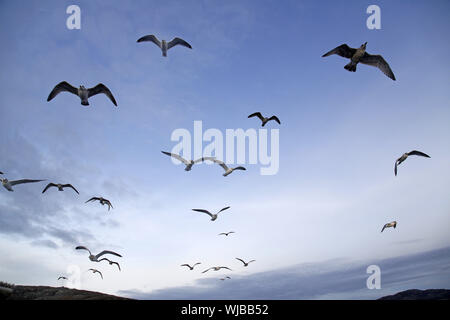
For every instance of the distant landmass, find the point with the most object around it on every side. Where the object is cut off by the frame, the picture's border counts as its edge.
(13, 292)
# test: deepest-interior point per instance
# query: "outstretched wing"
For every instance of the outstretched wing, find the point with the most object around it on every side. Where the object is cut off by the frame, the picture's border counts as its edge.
(107, 252)
(222, 164)
(241, 260)
(418, 153)
(251, 261)
(83, 248)
(101, 88)
(343, 51)
(204, 211)
(204, 158)
(395, 167)
(240, 168)
(48, 186)
(185, 265)
(178, 41)
(226, 268)
(257, 114)
(207, 270)
(93, 199)
(379, 62)
(275, 118)
(60, 87)
(23, 181)
(176, 156)
(384, 227)
(223, 209)
(70, 186)
(151, 38)
(116, 263)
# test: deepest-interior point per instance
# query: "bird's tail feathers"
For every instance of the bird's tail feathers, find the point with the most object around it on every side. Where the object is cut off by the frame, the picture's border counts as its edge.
(351, 66)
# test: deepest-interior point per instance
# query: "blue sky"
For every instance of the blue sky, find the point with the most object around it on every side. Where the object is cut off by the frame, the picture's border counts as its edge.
(340, 134)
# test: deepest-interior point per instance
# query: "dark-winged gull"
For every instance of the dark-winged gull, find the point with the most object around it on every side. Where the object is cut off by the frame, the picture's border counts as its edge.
(227, 277)
(212, 215)
(226, 233)
(164, 45)
(102, 200)
(245, 263)
(190, 267)
(188, 163)
(83, 93)
(392, 224)
(96, 271)
(216, 269)
(226, 168)
(62, 277)
(264, 119)
(406, 155)
(111, 262)
(9, 184)
(95, 257)
(360, 55)
(60, 187)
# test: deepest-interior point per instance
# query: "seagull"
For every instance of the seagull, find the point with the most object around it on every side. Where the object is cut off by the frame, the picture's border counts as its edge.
(360, 55)
(225, 167)
(406, 155)
(216, 269)
(190, 268)
(8, 184)
(96, 271)
(264, 119)
(60, 187)
(245, 263)
(102, 200)
(226, 233)
(95, 258)
(81, 92)
(111, 262)
(213, 216)
(188, 163)
(390, 225)
(227, 277)
(164, 45)
(64, 278)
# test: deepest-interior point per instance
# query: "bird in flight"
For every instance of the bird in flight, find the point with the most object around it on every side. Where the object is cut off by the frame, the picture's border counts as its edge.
(226, 168)
(96, 271)
(406, 155)
(245, 263)
(360, 55)
(64, 278)
(227, 277)
(164, 45)
(9, 184)
(102, 200)
(213, 216)
(389, 225)
(60, 187)
(264, 119)
(216, 269)
(188, 163)
(190, 268)
(111, 262)
(83, 93)
(226, 233)
(94, 258)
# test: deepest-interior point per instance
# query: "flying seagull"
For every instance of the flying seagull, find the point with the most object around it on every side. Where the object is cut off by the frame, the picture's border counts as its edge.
(213, 216)
(8, 184)
(164, 45)
(245, 263)
(95, 257)
(406, 155)
(216, 269)
(225, 233)
(264, 119)
(360, 55)
(96, 271)
(64, 278)
(111, 262)
(81, 92)
(226, 168)
(102, 200)
(60, 187)
(390, 225)
(190, 268)
(188, 163)
(227, 277)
